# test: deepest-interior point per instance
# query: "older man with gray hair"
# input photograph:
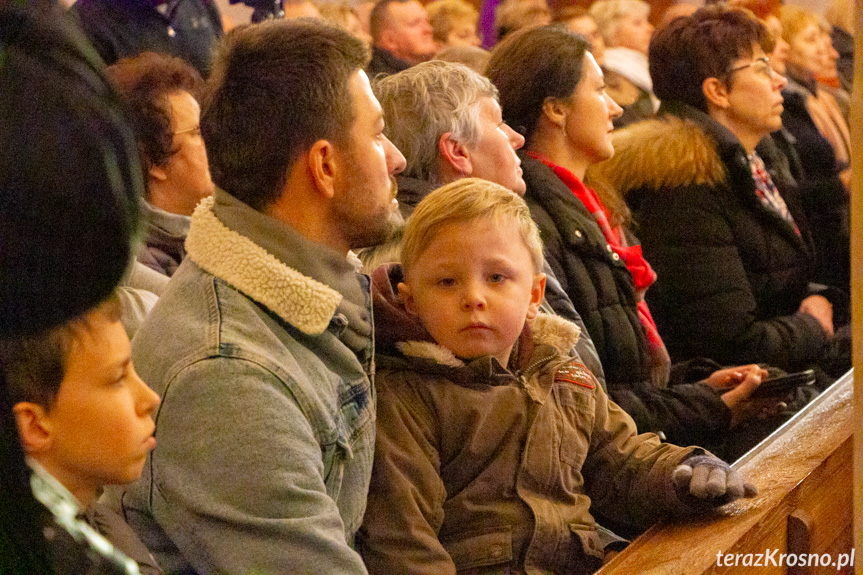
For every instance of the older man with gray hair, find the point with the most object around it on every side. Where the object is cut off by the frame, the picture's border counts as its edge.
(446, 120)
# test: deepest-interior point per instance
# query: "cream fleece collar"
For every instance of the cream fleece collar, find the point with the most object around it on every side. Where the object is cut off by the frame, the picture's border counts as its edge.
(547, 329)
(303, 302)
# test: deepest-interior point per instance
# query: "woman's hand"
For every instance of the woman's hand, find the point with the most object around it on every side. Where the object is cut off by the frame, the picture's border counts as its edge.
(821, 309)
(739, 383)
(732, 377)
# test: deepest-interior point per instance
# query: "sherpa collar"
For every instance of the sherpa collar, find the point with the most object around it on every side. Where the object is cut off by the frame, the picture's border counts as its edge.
(303, 302)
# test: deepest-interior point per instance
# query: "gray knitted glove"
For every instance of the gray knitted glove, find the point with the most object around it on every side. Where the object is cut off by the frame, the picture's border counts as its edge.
(710, 479)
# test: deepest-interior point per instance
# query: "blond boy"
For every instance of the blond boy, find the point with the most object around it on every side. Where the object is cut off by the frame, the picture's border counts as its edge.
(492, 441)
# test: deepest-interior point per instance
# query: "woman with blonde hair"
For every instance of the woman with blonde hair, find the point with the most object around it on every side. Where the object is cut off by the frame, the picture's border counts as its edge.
(626, 33)
(453, 23)
(840, 15)
(806, 56)
(822, 137)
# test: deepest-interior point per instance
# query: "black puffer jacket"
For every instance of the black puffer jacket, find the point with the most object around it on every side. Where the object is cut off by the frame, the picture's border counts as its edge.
(732, 273)
(602, 290)
(822, 195)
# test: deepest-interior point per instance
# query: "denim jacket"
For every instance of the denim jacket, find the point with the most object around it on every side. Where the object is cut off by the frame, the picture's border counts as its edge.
(266, 427)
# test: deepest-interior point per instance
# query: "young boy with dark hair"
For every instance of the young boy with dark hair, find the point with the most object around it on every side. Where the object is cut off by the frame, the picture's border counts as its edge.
(70, 401)
(492, 441)
(84, 419)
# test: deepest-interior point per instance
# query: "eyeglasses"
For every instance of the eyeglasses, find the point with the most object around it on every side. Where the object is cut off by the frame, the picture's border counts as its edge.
(760, 65)
(195, 130)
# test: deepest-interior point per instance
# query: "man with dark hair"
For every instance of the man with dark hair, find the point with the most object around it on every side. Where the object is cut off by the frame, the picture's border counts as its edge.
(187, 29)
(160, 94)
(724, 230)
(261, 343)
(402, 36)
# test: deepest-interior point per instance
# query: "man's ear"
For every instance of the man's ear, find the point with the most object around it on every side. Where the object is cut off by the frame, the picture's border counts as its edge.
(34, 427)
(537, 294)
(323, 166)
(716, 92)
(455, 154)
(554, 111)
(407, 298)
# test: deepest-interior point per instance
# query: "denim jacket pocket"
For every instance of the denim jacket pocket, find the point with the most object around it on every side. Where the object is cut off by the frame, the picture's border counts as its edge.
(335, 455)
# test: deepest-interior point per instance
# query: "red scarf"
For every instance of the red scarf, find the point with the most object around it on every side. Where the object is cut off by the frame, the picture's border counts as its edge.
(642, 274)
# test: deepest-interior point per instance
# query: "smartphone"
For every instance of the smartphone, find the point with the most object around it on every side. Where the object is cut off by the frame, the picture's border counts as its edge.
(784, 384)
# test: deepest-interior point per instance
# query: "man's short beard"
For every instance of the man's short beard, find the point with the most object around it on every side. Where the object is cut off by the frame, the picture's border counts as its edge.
(366, 232)
(366, 237)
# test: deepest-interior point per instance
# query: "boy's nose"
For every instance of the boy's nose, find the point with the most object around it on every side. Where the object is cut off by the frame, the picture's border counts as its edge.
(473, 298)
(148, 400)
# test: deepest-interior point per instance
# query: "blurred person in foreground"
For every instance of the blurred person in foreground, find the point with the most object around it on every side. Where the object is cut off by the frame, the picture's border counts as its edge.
(70, 399)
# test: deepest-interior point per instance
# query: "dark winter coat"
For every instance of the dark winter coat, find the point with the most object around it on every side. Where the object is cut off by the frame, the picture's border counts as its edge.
(603, 292)
(732, 272)
(823, 197)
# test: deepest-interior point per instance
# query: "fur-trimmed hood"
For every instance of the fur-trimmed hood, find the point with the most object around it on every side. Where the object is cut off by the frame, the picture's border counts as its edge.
(397, 331)
(303, 302)
(658, 154)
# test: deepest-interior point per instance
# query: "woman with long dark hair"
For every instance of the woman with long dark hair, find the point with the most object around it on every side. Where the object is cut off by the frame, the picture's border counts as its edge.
(552, 90)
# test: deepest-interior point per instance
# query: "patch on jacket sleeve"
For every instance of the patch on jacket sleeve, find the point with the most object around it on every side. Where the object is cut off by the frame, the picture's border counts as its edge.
(576, 374)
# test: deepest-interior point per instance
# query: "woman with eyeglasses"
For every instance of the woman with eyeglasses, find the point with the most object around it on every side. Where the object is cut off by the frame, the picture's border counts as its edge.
(721, 224)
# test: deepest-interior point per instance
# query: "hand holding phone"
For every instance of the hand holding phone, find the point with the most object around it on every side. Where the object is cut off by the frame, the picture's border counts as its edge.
(782, 385)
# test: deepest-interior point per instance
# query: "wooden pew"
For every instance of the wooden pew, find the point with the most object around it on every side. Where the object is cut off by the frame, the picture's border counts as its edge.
(803, 472)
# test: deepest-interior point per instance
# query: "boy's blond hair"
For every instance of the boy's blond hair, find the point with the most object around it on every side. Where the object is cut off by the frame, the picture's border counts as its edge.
(466, 200)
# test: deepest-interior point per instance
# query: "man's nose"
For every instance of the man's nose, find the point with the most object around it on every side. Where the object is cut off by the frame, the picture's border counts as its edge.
(516, 140)
(395, 159)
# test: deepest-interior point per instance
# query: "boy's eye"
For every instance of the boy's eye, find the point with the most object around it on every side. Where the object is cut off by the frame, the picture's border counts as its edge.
(446, 282)
(496, 278)
(121, 374)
